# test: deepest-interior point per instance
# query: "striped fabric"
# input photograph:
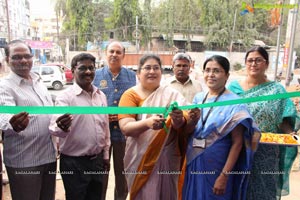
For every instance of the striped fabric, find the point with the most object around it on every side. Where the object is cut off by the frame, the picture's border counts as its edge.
(33, 146)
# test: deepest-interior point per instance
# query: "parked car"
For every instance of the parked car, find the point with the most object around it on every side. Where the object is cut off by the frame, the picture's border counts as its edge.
(69, 75)
(53, 76)
(67, 70)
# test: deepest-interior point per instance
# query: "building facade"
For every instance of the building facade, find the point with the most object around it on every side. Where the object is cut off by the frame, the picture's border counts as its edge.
(15, 24)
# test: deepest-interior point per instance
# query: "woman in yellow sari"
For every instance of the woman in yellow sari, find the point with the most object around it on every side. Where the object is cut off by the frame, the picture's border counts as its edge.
(154, 153)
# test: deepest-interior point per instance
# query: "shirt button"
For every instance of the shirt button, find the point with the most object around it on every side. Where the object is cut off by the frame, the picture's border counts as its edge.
(115, 102)
(116, 90)
(115, 127)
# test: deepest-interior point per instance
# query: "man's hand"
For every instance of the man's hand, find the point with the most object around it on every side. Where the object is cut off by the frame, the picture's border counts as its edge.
(106, 165)
(19, 121)
(64, 122)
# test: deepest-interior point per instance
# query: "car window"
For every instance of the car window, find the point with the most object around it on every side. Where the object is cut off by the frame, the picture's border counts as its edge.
(35, 70)
(47, 71)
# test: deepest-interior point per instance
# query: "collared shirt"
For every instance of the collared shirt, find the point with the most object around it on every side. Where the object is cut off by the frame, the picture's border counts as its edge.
(188, 89)
(89, 134)
(195, 74)
(113, 88)
(33, 146)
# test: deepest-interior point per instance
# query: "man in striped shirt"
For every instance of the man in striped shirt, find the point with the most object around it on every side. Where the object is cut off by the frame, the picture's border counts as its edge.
(29, 153)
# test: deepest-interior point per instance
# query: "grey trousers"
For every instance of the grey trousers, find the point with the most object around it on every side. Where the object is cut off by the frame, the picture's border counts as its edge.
(32, 183)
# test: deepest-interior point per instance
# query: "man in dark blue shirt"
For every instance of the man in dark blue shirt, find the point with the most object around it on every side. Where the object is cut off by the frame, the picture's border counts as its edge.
(114, 80)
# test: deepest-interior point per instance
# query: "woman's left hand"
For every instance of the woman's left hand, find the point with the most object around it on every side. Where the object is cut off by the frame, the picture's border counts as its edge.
(194, 116)
(220, 185)
(177, 118)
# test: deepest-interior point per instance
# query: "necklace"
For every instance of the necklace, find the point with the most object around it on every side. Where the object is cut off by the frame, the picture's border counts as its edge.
(210, 109)
(115, 76)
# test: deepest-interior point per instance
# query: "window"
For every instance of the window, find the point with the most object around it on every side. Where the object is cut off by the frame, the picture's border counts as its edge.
(35, 70)
(47, 71)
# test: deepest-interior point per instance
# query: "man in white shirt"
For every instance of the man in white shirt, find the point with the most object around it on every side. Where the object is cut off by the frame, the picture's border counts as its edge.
(28, 150)
(181, 80)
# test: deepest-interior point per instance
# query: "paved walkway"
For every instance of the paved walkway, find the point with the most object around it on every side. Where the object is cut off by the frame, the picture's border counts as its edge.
(60, 193)
(294, 186)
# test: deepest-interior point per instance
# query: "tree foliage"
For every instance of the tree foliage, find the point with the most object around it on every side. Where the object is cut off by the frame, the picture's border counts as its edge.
(83, 20)
(176, 16)
(80, 20)
(123, 19)
(146, 25)
(211, 18)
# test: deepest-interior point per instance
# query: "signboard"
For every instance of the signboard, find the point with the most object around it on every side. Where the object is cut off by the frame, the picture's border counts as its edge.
(286, 56)
(39, 44)
(137, 34)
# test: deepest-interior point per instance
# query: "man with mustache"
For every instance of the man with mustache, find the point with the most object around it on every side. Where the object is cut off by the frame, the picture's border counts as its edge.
(83, 139)
(114, 80)
(29, 153)
(181, 80)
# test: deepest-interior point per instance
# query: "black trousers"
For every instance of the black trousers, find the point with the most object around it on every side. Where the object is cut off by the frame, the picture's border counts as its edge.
(82, 176)
(117, 149)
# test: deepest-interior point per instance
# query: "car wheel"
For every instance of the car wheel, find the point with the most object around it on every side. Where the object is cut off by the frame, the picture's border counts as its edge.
(57, 85)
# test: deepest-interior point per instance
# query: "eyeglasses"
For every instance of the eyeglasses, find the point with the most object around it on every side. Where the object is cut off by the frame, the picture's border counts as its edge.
(213, 71)
(84, 68)
(148, 68)
(181, 66)
(20, 57)
(257, 61)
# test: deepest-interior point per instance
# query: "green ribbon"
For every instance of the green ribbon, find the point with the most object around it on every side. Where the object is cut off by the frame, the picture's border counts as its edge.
(173, 106)
(135, 110)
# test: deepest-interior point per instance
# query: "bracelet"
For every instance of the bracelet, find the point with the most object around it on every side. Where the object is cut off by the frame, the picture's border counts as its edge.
(225, 174)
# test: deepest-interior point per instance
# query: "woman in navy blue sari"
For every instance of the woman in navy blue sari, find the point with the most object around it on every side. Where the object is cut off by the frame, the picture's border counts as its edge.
(220, 151)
